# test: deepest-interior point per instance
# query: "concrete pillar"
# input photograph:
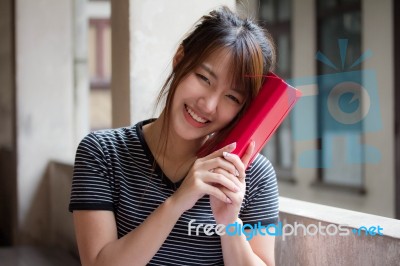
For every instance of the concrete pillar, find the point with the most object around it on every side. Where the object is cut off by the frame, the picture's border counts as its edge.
(44, 81)
(377, 36)
(120, 79)
(143, 49)
(304, 34)
(303, 31)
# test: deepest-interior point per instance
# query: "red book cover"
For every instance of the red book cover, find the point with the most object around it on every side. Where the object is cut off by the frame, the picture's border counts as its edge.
(267, 111)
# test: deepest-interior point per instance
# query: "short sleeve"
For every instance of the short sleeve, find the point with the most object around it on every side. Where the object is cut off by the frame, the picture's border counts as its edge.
(91, 183)
(261, 204)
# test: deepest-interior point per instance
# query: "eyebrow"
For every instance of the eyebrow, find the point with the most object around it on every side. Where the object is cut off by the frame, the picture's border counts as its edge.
(209, 71)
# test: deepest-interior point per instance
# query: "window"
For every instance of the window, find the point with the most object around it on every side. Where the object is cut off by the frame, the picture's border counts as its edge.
(339, 20)
(275, 16)
(100, 53)
(100, 72)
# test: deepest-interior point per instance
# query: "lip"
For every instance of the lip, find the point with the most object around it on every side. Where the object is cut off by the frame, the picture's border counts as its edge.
(190, 119)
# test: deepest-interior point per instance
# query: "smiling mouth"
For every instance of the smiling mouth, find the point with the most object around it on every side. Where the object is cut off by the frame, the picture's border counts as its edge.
(195, 116)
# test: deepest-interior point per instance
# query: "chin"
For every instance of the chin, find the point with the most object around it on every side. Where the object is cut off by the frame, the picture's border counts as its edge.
(190, 133)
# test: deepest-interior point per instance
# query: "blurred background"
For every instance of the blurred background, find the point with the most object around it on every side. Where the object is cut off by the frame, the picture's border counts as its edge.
(69, 67)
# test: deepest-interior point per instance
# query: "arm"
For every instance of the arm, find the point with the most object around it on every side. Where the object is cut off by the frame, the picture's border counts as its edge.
(257, 251)
(96, 233)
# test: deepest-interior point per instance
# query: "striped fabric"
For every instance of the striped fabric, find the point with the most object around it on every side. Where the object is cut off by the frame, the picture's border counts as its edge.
(114, 171)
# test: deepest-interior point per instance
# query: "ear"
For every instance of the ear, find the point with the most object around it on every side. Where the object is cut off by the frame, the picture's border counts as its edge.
(178, 56)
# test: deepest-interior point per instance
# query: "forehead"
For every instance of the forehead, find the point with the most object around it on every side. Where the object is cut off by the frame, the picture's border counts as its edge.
(219, 62)
(221, 66)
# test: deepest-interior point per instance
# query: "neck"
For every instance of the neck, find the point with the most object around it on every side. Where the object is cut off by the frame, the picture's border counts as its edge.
(168, 146)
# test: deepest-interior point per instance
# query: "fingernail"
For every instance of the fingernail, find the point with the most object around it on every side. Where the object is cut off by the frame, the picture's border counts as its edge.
(236, 189)
(228, 200)
(232, 145)
(226, 154)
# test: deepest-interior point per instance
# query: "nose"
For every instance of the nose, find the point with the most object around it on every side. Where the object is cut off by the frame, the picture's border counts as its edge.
(209, 103)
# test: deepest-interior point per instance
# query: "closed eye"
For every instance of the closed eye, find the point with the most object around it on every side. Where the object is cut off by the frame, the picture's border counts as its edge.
(233, 98)
(203, 78)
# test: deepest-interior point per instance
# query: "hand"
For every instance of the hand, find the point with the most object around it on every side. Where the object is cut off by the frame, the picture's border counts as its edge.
(201, 181)
(225, 213)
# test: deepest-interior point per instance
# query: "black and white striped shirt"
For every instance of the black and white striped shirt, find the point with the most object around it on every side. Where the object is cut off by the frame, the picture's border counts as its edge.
(114, 170)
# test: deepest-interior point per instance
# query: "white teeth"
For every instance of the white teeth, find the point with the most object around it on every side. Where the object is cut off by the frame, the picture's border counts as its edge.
(195, 117)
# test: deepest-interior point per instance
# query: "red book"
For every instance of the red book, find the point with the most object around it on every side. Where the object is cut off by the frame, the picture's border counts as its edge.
(267, 111)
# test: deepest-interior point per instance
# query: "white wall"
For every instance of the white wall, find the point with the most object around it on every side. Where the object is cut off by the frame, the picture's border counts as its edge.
(79, 19)
(44, 79)
(157, 27)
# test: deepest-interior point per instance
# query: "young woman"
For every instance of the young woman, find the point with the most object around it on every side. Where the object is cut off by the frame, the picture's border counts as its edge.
(141, 195)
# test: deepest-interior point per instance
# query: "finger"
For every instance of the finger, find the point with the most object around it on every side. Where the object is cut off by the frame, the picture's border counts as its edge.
(217, 192)
(228, 175)
(220, 162)
(237, 162)
(220, 179)
(249, 152)
(218, 153)
(236, 198)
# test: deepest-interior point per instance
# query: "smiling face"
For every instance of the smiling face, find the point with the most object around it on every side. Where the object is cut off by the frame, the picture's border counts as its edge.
(205, 101)
(199, 98)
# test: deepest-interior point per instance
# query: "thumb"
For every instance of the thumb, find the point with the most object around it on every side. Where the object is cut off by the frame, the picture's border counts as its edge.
(248, 154)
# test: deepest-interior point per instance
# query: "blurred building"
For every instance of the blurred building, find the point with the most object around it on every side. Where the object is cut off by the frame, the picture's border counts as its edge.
(99, 63)
(338, 146)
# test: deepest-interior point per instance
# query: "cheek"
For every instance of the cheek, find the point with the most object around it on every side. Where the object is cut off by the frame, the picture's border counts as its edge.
(188, 88)
(228, 113)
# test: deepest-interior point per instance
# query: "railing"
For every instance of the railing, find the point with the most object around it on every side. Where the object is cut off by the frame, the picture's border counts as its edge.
(340, 241)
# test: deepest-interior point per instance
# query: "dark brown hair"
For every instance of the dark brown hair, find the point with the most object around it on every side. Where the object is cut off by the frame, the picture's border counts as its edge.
(252, 57)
